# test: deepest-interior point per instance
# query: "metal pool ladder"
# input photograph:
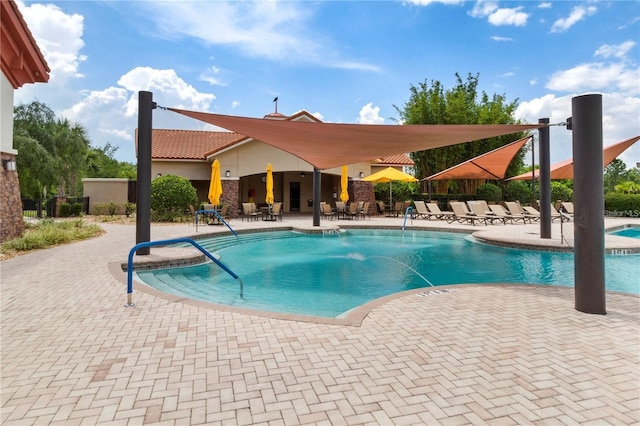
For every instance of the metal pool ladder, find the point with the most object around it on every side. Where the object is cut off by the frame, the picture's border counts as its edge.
(162, 243)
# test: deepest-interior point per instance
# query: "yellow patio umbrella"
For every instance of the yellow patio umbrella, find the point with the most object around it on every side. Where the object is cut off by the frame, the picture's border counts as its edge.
(269, 198)
(344, 183)
(389, 175)
(215, 186)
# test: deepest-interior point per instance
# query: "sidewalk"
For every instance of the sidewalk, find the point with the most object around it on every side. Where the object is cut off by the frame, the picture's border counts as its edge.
(480, 354)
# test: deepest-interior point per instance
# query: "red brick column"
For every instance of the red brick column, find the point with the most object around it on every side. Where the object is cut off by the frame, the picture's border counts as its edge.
(231, 195)
(363, 191)
(11, 221)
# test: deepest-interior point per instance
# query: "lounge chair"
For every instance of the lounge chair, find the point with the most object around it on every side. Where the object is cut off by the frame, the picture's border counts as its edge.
(421, 211)
(567, 207)
(535, 214)
(499, 211)
(434, 211)
(461, 215)
(515, 210)
(480, 209)
(326, 211)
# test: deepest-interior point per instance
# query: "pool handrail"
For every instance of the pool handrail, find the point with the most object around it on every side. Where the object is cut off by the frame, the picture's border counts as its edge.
(406, 213)
(162, 243)
(198, 212)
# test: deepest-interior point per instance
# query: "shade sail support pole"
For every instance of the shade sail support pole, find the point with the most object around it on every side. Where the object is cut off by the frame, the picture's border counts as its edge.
(588, 199)
(316, 196)
(545, 180)
(143, 184)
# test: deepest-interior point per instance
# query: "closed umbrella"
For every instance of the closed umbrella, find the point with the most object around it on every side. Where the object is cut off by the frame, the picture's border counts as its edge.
(344, 183)
(269, 198)
(389, 175)
(215, 186)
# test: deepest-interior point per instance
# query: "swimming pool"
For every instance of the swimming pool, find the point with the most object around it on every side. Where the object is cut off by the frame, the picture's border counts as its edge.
(328, 275)
(631, 232)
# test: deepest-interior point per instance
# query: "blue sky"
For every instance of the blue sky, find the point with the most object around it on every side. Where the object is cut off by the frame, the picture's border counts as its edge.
(343, 61)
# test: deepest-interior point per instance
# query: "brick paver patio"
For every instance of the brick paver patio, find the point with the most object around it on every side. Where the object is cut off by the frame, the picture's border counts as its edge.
(490, 354)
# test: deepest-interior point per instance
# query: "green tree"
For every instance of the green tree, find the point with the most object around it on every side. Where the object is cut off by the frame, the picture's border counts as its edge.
(66, 145)
(614, 173)
(433, 104)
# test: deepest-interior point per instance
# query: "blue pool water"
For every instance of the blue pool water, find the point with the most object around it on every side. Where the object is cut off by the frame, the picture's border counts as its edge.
(632, 232)
(328, 275)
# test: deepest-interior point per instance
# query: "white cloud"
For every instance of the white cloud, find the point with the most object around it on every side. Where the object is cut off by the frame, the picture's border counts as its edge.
(597, 76)
(619, 121)
(617, 51)
(235, 104)
(59, 37)
(265, 29)
(498, 38)
(512, 16)
(545, 5)
(499, 16)
(578, 13)
(370, 115)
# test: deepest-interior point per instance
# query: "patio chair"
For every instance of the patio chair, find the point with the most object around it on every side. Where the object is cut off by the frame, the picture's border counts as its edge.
(461, 215)
(365, 210)
(275, 212)
(340, 209)
(434, 211)
(352, 213)
(499, 211)
(326, 211)
(480, 209)
(249, 211)
(192, 209)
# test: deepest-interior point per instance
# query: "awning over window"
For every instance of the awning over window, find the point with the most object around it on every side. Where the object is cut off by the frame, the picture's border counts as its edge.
(491, 165)
(329, 145)
(564, 169)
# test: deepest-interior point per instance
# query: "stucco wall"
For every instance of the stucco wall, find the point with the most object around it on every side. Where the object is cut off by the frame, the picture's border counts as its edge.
(101, 191)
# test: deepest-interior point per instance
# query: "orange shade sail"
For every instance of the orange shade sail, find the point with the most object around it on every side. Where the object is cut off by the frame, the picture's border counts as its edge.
(564, 169)
(491, 165)
(329, 145)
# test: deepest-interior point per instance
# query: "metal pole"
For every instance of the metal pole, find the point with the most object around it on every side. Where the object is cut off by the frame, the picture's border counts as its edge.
(545, 180)
(533, 172)
(588, 199)
(316, 196)
(143, 185)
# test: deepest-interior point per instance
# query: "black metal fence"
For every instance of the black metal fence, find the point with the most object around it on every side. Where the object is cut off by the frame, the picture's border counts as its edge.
(46, 207)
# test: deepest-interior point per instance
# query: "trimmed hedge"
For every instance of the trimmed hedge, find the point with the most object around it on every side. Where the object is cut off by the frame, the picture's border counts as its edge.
(622, 204)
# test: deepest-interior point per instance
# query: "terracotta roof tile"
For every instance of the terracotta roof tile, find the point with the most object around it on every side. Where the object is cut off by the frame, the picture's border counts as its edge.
(189, 144)
(396, 160)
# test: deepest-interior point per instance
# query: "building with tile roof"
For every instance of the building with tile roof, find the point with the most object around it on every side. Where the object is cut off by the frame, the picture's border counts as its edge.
(22, 63)
(243, 162)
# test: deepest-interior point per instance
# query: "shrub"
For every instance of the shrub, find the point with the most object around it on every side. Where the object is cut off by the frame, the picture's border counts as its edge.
(129, 209)
(170, 197)
(49, 233)
(76, 209)
(65, 210)
(517, 190)
(489, 192)
(616, 204)
(560, 192)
